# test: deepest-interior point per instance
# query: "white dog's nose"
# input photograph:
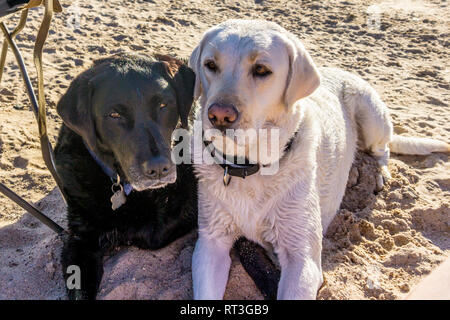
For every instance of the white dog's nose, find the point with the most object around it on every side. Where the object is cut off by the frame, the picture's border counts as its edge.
(222, 116)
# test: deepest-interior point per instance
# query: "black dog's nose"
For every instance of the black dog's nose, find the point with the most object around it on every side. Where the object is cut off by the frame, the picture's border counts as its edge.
(158, 167)
(222, 115)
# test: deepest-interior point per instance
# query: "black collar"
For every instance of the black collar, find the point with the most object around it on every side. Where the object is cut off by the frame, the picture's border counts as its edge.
(231, 168)
(238, 170)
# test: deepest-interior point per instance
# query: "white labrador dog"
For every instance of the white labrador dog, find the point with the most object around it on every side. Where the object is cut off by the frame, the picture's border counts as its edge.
(255, 74)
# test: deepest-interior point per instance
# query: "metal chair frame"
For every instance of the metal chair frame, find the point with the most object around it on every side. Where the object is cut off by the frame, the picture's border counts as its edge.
(38, 104)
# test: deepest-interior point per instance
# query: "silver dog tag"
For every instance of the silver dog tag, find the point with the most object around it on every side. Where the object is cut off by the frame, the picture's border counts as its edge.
(226, 177)
(118, 198)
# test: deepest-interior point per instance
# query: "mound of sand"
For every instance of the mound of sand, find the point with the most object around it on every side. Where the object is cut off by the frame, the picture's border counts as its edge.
(378, 246)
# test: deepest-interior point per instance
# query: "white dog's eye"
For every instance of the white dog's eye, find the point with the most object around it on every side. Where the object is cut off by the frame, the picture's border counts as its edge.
(260, 70)
(211, 65)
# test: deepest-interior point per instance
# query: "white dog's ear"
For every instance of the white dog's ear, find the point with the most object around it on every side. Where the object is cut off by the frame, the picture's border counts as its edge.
(303, 77)
(194, 64)
(194, 59)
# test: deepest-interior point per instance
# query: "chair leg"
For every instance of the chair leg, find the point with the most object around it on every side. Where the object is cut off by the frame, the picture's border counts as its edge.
(3, 58)
(40, 40)
(20, 26)
(22, 67)
(46, 148)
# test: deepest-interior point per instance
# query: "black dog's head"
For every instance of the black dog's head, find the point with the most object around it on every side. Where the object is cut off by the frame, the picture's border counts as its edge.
(125, 108)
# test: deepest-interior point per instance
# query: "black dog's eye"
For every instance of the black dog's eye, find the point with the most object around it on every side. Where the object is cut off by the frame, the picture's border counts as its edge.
(211, 65)
(261, 71)
(115, 115)
(162, 105)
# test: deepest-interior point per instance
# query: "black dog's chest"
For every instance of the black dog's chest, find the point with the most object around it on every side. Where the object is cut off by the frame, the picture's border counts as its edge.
(142, 206)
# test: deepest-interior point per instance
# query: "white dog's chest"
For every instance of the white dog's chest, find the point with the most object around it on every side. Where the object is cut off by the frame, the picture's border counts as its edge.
(251, 207)
(243, 206)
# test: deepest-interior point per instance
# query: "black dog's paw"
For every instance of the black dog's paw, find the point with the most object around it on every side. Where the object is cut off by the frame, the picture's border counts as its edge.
(82, 267)
(258, 265)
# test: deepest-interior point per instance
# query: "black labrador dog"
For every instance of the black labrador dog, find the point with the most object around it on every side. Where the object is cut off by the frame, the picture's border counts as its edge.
(114, 158)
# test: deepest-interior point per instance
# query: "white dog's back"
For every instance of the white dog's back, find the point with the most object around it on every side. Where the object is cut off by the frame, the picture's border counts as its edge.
(371, 113)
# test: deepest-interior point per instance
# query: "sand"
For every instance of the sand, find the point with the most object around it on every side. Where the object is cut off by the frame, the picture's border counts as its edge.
(379, 246)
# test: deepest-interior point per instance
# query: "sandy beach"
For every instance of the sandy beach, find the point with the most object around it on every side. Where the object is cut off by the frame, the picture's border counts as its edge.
(379, 246)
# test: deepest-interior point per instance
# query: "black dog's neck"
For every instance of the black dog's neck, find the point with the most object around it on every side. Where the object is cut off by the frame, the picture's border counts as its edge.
(114, 172)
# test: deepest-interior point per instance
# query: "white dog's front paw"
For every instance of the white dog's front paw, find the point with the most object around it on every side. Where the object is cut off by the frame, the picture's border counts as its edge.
(301, 293)
(300, 281)
(383, 176)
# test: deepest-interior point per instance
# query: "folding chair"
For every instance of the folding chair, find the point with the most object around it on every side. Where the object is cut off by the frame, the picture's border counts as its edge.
(7, 8)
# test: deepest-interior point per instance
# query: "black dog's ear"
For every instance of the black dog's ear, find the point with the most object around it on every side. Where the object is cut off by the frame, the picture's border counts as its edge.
(74, 108)
(184, 79)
